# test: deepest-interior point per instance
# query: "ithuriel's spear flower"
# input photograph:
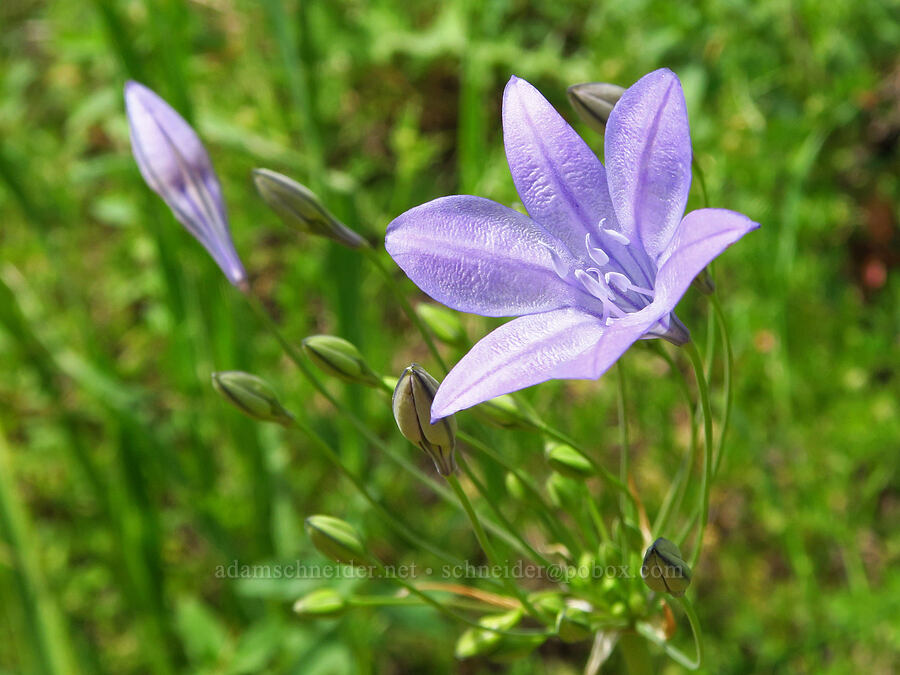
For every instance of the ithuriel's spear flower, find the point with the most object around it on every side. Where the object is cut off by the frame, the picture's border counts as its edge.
(602, 260)
(176, 166)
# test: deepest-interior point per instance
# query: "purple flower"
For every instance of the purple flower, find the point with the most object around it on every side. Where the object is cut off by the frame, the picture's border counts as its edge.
(602, 260)
(175, 165)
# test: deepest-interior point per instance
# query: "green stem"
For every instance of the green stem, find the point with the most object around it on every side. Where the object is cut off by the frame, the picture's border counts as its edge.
(537, 502)
(625, 506)
(372, 255)
(608, 477)
(637, 657)
(671, 650)
(486, 546)
(298, 360)
(675, 495)
(394, 522)
(697, 363)
(523, 548)
(727, 375)
(599, 525)
(443, 609)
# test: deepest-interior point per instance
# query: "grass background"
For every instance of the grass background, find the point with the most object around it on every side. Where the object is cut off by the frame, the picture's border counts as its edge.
(126, 481)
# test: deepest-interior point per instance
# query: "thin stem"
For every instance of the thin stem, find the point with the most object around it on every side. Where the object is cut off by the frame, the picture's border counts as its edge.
(727, 377)
(486, 546)
(697, 362)
(672, 501)
(395, 523)
(599, 525)
(637, 658)
(372, 256)
(621, 402)
(428, 600)
(673, 652)
(604, 473)
(395, 456)
(524, 548)
(537, 502)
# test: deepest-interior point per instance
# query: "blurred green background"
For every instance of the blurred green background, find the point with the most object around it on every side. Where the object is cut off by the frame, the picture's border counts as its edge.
(126, 481)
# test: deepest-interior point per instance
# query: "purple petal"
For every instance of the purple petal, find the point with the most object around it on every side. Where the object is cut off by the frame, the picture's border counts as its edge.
(701, 237)
(176, 166)
(475, 255)
(562, 344)
(560, 180)
(648, 156)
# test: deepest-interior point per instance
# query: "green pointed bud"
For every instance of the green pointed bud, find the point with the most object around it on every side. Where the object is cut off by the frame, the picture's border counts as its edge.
(664, 570)
(476, 642)
(514, 486)
(573, 625)
(444, 323)
(336, 539)
(508, 412)
(335, 356)
(565, 493)
(299, 208)
(411, 404)
(594, 101)
(251, 395)
(568, 461)
(320, 604)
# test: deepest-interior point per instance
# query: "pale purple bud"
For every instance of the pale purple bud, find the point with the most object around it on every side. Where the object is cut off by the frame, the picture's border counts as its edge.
(176, 166)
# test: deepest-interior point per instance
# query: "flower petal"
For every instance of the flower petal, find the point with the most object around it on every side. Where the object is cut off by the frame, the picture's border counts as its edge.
(562, 344)
(648, 154)
(475, 255)
(176, 166)
(701, 237)
(559, 178)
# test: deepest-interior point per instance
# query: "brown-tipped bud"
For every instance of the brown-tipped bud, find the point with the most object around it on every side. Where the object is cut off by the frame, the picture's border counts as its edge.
(444, 323)
(340, 358)
(336, 539)
(704, 283)
(411, 404)
(594, 101)
(664, 570)
(301, 209)
(251, 395)
(320, 604)
(568, 461)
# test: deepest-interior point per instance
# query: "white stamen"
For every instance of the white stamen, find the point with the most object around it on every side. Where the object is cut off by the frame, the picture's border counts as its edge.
(618, 281)
(597, 255)
(617, 237)
(592, 285)
(561, 269)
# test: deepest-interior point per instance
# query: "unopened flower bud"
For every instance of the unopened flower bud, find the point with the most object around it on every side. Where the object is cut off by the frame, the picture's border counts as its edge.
(568, 461)
(498, 646)
(507, 412)
(411, 404)
(564, 492)
(444, 323)
(336, 539)
(251, 395)
(321, 603)
(594, 101)
(340, 358)
(664, 571)
(299, 208)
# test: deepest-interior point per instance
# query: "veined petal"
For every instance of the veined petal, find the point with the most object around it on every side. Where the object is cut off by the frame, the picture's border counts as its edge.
(559, 178)
(648, 154)
(475, 255)
(562, 344)
(699, 239)
(176, 166)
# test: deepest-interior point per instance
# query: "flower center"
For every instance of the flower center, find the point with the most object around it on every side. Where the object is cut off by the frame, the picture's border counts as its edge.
(611, 278)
